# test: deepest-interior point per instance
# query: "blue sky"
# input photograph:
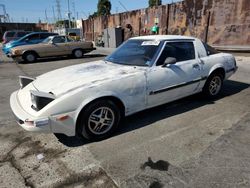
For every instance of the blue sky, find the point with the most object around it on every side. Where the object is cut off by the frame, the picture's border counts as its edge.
(32, 10)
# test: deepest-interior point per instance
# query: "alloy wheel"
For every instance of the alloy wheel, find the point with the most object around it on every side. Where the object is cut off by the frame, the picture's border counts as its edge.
(101, 120)
(215, 85)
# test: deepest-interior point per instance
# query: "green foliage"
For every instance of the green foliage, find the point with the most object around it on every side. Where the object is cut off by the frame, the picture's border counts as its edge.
(63, 23)
(93, 15)
(103, 7)
(152, 3)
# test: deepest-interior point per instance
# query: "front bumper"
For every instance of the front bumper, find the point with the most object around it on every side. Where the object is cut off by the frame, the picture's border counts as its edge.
(230, 72)
(23, 118)
(17, 58)
(6, 50)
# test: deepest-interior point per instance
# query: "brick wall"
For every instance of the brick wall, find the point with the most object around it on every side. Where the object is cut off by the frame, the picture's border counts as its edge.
(229, 21)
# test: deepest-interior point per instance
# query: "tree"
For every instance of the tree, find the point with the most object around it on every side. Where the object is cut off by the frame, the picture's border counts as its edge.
(63, 23)
(103, 7)
(152, 3)
(94, 15)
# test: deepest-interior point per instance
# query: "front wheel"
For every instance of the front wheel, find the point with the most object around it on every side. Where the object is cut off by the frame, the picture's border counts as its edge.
(99, 120)
(78, 53)
(29, 57)
(213, 85)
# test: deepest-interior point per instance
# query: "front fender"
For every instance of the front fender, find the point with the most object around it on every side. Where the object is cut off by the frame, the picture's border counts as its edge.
(94, 97)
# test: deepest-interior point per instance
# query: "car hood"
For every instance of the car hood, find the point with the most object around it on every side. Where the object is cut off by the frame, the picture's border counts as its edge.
(25, 46)
(64, 80)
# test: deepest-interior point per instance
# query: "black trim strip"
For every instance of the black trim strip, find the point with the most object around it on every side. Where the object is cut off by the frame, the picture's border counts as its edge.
(232, 70)
(177, 86)
(179, 40)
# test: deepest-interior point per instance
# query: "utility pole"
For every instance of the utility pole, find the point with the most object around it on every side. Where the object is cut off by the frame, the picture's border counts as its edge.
(207, 27)
(46, 18)
(58, 9)
(69, 17)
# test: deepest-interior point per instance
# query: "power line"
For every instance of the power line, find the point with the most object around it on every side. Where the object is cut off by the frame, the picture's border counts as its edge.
(123, 6)
(46, 16)
(58, 9)
(54, 16)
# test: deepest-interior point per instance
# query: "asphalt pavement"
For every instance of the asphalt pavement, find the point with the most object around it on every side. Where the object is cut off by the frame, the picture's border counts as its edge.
(193, 142)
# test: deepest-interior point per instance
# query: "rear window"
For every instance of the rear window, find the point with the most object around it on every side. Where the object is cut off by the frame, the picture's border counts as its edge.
(10, 34)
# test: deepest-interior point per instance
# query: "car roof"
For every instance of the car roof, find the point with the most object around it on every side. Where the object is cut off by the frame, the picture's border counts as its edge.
(39, 33)
(14, 31)
(163, 37)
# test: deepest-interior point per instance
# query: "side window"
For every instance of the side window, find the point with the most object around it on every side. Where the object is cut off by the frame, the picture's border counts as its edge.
(33, 37)
(59, 39)
(21, 34)
(44, 35)
(182, 51)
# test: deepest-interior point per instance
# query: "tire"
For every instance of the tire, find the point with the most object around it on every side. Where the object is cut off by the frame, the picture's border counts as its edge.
(78, 53)
(99, 120)
(213, 85)
(30, 57)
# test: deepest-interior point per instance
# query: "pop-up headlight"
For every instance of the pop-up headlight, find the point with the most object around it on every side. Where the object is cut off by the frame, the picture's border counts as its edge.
(24, 81)
(40, 99)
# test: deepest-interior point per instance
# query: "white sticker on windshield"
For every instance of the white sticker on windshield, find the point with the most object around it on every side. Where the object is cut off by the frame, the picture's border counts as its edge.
(151, 43)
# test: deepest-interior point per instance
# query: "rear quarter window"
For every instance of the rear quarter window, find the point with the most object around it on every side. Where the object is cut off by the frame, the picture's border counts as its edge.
(210, 50)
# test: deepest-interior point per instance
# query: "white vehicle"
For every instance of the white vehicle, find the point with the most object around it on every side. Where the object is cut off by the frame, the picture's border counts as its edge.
(90, 99)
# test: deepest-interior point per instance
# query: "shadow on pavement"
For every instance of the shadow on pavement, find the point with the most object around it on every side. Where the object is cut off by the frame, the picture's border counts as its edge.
(152, 115)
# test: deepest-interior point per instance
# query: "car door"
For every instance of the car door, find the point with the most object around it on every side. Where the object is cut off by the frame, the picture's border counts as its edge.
(174, 81)
(59, 46)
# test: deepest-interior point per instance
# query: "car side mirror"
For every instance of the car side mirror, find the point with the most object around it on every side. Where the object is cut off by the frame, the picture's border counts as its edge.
(169, 61)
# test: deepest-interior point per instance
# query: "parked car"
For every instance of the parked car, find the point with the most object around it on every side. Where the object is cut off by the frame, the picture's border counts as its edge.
(90, 99)
(53, 46)
(32, 38)
(14, 35)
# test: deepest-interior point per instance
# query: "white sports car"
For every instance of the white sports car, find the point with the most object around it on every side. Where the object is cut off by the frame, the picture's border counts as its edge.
(91, 98)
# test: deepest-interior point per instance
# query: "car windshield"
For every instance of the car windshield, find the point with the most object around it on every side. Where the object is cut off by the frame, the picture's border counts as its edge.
(47, 40)
(135, 52)
(23, 38)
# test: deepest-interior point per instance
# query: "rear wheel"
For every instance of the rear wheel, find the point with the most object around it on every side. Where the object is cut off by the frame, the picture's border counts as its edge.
(78, 53)
(99, 120)
(213, 85)
(29, 57)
